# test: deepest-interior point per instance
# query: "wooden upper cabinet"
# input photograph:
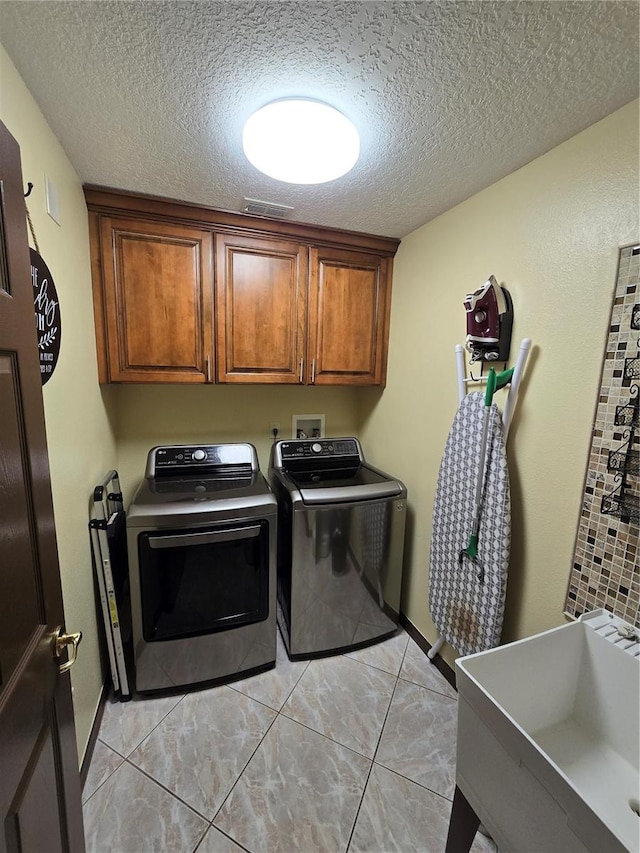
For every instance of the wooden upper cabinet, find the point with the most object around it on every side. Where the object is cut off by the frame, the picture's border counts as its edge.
(156, 300)
(349, 297)
(261, 295)
(289, 303)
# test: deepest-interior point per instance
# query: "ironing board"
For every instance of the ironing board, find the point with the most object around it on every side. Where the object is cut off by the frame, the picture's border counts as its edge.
(467, 611)
(452, 499)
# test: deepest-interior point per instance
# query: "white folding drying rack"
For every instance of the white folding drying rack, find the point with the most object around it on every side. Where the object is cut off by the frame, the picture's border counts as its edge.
(507, 414)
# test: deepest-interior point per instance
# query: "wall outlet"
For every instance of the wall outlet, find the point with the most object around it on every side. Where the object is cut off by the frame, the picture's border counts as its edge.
(274, 426)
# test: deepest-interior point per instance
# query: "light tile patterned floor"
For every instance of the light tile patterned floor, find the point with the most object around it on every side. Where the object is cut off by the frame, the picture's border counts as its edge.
(350, 753)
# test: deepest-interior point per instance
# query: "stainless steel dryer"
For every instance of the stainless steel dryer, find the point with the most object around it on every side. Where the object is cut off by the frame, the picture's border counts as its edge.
(340, 546)
(201, 534)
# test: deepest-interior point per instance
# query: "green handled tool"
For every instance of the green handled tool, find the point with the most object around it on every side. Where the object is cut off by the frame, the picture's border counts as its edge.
(495, 381)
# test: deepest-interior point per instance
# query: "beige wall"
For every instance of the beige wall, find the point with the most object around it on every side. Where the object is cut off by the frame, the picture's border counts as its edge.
(550, 233)
(149, 415)
(79, 432)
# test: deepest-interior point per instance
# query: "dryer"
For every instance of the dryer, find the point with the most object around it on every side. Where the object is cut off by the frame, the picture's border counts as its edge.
(201, 534)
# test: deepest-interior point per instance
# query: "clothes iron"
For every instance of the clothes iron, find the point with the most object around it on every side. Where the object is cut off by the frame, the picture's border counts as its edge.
(489, 322)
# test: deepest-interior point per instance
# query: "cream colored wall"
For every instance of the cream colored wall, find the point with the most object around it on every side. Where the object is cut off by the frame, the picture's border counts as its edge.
(173, 414)
(550, 233)
(78, 416)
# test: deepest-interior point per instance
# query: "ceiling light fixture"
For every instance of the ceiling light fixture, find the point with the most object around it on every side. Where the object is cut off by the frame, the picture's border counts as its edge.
(301, 141)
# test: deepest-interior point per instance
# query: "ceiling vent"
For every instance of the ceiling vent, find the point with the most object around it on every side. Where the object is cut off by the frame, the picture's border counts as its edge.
(266, 208)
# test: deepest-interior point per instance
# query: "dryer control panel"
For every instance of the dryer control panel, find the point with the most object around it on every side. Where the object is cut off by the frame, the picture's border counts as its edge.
(184, 458)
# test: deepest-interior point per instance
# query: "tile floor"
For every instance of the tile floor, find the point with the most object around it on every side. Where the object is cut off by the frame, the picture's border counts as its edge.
(349, 753)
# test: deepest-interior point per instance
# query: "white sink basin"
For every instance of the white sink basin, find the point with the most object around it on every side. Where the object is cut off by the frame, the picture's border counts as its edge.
(548, 743)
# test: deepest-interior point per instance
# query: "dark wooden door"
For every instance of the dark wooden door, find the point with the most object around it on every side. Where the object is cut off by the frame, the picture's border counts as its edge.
(39, 780)
(261, 298)
(158, 292)
(349, 302)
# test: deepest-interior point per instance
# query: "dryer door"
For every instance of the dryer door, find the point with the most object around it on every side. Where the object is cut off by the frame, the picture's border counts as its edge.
(199, 581)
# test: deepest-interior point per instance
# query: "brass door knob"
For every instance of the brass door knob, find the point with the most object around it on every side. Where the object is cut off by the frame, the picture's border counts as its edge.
(63, 641)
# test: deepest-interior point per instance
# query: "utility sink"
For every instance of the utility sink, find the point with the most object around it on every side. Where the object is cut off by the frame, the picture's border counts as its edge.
(548, 743)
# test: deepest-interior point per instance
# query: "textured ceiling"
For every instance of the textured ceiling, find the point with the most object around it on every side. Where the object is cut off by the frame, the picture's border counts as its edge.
(448, 96)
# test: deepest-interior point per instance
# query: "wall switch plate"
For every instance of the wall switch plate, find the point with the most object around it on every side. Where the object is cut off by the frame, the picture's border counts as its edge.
(53, 199)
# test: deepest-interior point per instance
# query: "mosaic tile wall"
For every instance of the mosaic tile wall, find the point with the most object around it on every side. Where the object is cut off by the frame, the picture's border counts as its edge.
(606, 563)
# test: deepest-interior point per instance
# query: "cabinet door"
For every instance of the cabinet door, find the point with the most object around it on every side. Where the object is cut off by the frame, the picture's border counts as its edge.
(349, 298)
(260, 309)
(157, 300)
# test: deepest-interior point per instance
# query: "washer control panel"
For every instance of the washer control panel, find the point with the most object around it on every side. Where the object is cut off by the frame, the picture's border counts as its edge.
(324, 448)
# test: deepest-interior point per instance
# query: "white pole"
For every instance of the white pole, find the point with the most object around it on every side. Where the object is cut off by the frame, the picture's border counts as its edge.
(514, 385)
(435, 648)
(461, 372)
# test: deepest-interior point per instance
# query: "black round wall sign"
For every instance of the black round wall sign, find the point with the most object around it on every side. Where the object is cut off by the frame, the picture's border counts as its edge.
(47, 311)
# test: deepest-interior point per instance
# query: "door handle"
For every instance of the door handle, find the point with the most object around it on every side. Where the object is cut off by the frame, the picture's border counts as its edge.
(63, 641)
(209, 537)
(301, 369)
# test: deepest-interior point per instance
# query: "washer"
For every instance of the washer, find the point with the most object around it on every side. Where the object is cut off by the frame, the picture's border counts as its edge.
(340, 546)
(201, 538)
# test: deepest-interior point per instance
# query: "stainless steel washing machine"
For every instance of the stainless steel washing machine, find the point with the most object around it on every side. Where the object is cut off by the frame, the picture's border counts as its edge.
(340, 546)
(201, 538)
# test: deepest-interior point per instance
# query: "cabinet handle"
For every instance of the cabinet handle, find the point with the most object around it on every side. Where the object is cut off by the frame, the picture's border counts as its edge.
(301, 369)
(207, 363)
(313, 371)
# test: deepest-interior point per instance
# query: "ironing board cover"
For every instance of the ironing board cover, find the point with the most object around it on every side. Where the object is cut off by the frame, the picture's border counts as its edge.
(468, 613)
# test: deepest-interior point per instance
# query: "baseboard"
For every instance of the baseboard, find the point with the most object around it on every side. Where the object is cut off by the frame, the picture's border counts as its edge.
(95, 728)
(441, 665)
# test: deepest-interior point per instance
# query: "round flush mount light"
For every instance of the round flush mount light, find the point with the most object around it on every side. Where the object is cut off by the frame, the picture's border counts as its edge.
(301, 141)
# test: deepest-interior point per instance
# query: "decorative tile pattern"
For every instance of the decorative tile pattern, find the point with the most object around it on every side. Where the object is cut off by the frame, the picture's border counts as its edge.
(300, 791)
(202, 746)
(344, 700)
(606, 563)
(132, 814)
